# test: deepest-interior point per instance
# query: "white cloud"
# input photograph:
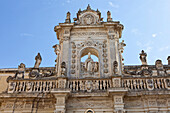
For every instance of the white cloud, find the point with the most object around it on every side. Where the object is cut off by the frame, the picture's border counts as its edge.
(148, 49)
(113, 5)
(136, 31)
(68, 1)
(164, 48)
(154, 35)
(26, 35)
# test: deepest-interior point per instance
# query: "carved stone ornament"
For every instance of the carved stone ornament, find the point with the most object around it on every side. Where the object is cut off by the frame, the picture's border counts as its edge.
(150, 84)
(121, 46)
(88, 19)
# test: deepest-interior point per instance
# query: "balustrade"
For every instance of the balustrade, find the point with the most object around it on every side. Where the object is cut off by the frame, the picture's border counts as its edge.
(146, 83)
(31, 85)
(89, 85)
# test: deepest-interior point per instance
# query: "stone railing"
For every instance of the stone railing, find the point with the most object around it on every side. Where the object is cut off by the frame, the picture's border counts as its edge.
(89, 85)
(146, 83)
(31, 85)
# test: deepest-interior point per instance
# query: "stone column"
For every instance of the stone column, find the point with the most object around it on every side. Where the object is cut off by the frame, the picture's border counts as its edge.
(113, 49)
(65, 48)
(117, 93)
(61, 94)
(118, 104)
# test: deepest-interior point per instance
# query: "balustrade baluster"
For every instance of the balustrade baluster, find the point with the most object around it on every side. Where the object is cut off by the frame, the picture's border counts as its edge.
(162, 82)
(159, 83)
(141, 84)
(104, 85)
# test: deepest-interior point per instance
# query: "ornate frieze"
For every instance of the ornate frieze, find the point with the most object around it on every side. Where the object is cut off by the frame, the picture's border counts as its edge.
(88, 33)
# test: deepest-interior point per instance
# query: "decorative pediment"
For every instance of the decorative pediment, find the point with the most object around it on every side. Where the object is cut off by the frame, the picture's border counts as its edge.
(88, 16)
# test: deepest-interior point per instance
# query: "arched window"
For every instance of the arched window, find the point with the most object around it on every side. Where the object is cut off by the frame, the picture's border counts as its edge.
(89, 111)
(89, 62)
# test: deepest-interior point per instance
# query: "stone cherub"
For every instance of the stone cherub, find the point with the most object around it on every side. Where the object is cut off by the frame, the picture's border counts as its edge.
(142, 57)
(38, 60)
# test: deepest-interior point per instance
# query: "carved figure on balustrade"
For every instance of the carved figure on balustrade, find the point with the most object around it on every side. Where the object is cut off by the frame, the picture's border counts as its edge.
(20, 72)
(38, 60)
(63, 69)
(11, 86)
(142, 57)
(28, 86)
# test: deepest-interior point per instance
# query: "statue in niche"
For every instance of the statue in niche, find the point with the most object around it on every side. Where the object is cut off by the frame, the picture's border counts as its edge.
(115, 65)
(95, 66)
(38, 60)
(142, 57)
(89, 63)
(63, 69)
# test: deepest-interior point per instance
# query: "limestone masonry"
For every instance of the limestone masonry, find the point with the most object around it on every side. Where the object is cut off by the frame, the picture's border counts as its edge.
(80, 83)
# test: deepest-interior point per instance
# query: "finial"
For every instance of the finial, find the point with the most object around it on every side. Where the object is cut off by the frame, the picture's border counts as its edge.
(109, 19)
(88, 7)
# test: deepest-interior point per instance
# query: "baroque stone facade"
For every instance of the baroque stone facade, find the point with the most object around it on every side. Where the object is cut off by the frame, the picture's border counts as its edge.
(80, 83)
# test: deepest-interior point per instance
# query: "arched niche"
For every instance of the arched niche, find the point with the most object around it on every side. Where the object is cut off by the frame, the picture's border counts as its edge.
(90, 67)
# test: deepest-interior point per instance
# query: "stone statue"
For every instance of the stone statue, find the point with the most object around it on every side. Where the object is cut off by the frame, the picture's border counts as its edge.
(38, 60)
(68, 20)
(109, 16)
(21, 70)
(57, 52)
(143, 57)
(63, 69)
(95, 66)
(168, 60)
(115, 65)
(159, 64)
(89, 63)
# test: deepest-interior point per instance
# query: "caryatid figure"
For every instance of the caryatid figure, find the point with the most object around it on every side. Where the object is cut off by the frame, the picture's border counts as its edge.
(88, 63)
(142, 57)
(38, 60)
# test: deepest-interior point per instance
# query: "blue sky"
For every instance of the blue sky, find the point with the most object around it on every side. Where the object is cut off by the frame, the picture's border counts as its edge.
(27, 27)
